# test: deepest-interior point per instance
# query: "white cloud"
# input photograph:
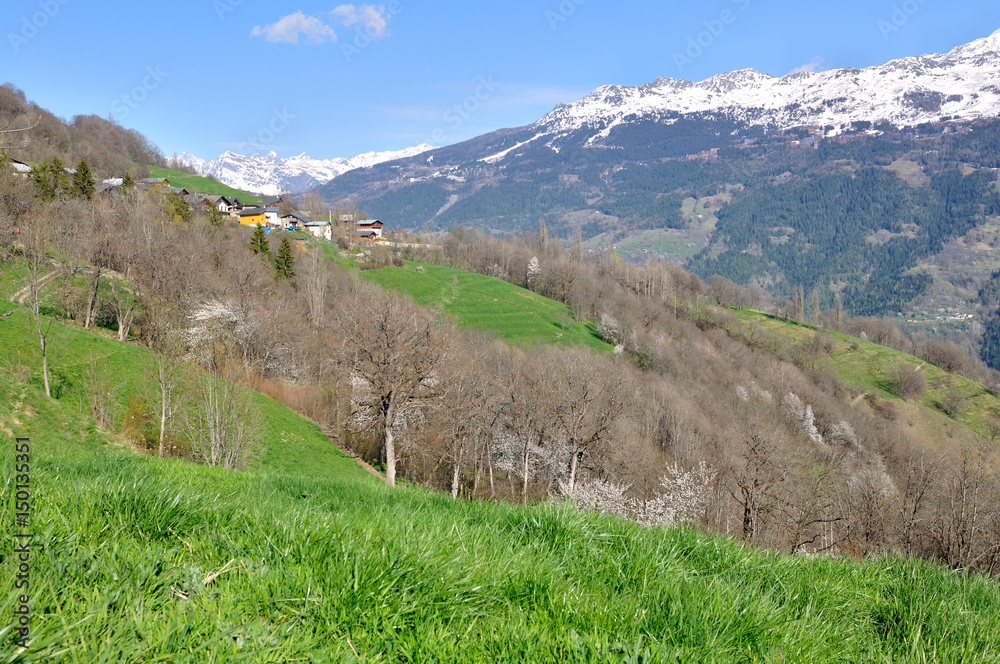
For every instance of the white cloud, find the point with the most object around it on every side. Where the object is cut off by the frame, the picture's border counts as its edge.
(810, 67)
(374, 18)
(290, 27)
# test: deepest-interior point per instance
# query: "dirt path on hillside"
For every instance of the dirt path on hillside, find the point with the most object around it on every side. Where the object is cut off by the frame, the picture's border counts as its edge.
(21, 295)
(361, 462)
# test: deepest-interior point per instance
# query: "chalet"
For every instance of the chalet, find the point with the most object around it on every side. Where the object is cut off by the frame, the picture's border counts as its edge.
(267, 216)
(348, 218)
(273, 215)
(252, 217)
(370, 226)
(368, 236)
(295, 221)
(223, 204)
(274, 201)
(319, 229)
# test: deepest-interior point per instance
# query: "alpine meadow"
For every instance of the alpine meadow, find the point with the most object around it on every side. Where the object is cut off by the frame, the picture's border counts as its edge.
(670, 371)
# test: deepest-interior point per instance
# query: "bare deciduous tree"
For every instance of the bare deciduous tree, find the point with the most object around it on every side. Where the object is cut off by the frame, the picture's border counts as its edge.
(34, 239)
(393, 350)
(755, 481)
(587, 401)
(165, 368)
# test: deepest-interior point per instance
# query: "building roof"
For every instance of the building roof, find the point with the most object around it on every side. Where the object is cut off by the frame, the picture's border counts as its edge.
(312, 224)
(269, 200)
(251, 211)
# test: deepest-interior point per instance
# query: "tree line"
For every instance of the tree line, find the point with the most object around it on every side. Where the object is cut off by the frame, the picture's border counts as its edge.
(684, 421)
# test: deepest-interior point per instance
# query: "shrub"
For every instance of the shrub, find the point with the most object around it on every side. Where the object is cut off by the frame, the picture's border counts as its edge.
(907, 381)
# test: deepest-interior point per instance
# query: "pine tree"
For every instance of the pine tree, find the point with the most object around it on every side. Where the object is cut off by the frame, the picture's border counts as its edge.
(284, 264)
(50, 178)
(259, 244)
(128, 184)
(83, 181)
(178, 208)
(215, 216)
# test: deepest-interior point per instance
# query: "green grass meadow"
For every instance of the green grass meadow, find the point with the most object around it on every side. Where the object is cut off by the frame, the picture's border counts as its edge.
(200, 185)
(306, 557)
(137, 559)
(868, 365)
(475, 300)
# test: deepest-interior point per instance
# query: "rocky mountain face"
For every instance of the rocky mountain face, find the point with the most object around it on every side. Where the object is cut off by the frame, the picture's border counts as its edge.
(576, 158)
(964, 83)
(269, 174)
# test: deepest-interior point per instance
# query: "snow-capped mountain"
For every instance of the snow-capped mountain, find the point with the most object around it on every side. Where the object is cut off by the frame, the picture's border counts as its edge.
(270, 174)
(964, 83)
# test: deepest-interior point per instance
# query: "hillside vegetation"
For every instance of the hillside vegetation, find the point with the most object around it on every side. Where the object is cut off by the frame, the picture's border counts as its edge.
(475, 300)
(308, 557)
(110, 149)
(200, 185)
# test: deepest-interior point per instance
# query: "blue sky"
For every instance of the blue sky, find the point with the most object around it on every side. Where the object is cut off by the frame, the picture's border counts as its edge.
(335, 80)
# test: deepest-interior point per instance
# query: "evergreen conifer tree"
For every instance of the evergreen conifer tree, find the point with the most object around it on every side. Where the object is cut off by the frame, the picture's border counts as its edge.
(50, 178)
(258, 243)
(178, 208)
(128, 184)
(284, 264)
(83, 181)
(215, 216)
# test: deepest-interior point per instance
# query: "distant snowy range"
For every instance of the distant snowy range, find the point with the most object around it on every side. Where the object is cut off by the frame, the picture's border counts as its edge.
(270, 175)
(961, 84)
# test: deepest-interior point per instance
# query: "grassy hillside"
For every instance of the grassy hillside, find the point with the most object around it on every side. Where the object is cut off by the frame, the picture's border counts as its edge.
(197, 184)
(474, 300)
(308, 558)
(868, 366)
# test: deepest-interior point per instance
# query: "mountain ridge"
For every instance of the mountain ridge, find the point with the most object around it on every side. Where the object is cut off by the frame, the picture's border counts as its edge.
(963, 83)
(270, 174)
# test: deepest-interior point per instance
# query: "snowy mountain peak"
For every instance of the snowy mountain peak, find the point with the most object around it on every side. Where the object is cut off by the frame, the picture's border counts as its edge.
(270, 175)
(963, 83)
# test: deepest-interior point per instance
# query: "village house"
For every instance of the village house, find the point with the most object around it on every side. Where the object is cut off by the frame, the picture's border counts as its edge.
(265, 216)
(221, 203)
(367, 227)
(295, 221)
(252, 217)
(319, 229)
